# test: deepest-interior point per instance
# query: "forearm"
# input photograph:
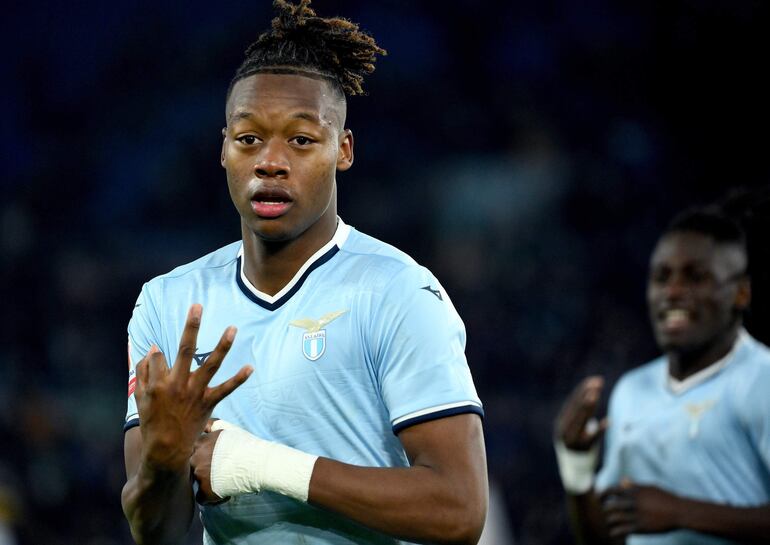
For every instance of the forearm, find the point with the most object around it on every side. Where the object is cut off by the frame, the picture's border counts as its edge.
(418, 503)
(744, 524)
(158, 504)
(586, 519)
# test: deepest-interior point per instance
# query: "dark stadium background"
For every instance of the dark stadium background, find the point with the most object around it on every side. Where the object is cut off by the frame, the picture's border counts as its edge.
(527, 152)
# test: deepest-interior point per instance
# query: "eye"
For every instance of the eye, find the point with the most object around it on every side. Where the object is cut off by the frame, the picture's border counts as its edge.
(302, 140)
(248, 139)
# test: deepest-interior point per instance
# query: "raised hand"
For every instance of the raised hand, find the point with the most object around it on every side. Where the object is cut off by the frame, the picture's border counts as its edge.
(633, 509)
(175, 404)
(572, 425)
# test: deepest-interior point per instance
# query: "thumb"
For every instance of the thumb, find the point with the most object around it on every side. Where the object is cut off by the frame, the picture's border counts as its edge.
(216, 424)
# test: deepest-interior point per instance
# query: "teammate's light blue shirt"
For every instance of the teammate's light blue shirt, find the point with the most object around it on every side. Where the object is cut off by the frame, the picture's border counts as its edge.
(706, 438)
(361, 344)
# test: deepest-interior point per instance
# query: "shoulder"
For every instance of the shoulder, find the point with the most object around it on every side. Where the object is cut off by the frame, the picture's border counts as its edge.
(751, 369)
(209, 265)
(641, 379)
(380, 266)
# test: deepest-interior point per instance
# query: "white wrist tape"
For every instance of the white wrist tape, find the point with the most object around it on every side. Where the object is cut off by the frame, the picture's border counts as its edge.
(243, 463)
(576, 467)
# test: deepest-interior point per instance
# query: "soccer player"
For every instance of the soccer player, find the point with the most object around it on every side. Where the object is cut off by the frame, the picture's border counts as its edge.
(357, 420)
(687, 450)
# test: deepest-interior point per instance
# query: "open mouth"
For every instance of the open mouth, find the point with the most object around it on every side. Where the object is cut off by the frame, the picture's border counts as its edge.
(675, 318)
(271, 202)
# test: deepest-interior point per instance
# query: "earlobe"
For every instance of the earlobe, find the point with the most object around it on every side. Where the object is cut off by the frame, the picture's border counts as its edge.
(743, 296)
(345, 154)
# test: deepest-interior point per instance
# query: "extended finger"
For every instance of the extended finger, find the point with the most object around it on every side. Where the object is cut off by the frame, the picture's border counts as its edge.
(218, 393)
(202, 376)
(188, 342)
(142, 375)
(581, 408)
(157, 367)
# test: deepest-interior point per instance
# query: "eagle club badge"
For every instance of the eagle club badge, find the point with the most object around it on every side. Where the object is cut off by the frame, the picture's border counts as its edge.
(314, 338)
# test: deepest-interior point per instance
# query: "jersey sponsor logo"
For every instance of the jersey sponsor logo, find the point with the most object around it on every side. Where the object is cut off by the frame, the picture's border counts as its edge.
(437, 293)
(696, 411)
(314, 338)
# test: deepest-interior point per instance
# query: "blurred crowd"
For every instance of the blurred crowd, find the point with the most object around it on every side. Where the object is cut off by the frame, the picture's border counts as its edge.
(528, 154)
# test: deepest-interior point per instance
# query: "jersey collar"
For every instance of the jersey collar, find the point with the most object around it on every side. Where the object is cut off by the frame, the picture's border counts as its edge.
(679, 386)
(324, 254)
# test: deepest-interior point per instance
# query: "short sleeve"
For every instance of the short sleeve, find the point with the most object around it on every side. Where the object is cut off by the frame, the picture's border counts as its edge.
(609, 474)
(418, 347)
(143, 332)
(754, 409)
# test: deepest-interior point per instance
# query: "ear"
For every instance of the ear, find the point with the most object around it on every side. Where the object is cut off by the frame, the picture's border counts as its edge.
(224, 143)
(743, 295)
(345, 153)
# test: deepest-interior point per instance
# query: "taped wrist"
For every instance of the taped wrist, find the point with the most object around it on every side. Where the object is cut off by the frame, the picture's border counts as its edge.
(243, 463)
(576, 467)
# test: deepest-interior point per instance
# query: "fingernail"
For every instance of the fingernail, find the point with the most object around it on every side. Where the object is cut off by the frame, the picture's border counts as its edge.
(230, 334)
(195, 313)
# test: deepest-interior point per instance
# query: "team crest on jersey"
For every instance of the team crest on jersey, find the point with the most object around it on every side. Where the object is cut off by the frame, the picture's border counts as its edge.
(314, 344)
(314, 338)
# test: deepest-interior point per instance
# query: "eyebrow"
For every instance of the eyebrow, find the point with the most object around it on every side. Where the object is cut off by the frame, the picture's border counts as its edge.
(238, 115)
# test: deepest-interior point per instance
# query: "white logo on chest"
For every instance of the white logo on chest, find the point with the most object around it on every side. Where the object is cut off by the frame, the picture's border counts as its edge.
(696, 411)
(314, 338)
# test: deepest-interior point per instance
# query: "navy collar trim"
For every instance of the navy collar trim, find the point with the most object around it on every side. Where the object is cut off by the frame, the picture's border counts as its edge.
(324, 254)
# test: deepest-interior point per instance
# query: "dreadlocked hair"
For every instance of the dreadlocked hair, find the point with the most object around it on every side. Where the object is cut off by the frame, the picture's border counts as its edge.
(300, 42)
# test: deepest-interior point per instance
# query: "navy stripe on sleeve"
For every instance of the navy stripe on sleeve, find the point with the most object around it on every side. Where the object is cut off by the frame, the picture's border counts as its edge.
(470, 408)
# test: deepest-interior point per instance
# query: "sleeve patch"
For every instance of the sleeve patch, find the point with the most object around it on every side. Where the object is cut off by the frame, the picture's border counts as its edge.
(131, 383)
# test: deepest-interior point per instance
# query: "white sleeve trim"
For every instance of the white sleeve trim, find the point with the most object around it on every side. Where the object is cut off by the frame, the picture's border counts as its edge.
(437, 408)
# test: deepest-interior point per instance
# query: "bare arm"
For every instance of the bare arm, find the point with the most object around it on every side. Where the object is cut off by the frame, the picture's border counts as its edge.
(441, 498)
(571, 428)
(158, 502)
(637, 509)
(586, 519)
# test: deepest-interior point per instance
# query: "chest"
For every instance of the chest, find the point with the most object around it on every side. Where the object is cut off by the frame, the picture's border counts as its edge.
(310, 358)
(669, 427)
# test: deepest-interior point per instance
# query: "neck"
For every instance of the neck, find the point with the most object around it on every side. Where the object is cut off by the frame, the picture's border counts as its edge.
(270, 265)
(682, 364)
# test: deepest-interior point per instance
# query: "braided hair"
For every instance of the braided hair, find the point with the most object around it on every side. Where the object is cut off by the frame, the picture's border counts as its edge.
(300, 42)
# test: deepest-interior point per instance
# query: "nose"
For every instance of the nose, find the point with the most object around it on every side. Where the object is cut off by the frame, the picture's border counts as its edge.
(675, 288)
(272, 161)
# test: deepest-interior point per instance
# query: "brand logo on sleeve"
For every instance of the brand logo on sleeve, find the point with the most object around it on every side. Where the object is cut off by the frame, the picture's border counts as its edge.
(314, 338)
(437, 293)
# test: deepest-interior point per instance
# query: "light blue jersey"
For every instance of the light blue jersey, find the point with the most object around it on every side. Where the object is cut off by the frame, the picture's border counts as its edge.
(706, 438)
(362, 343)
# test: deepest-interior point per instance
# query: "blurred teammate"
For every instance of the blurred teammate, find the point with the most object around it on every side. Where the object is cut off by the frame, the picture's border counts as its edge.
(687, 451)
(359, 421)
